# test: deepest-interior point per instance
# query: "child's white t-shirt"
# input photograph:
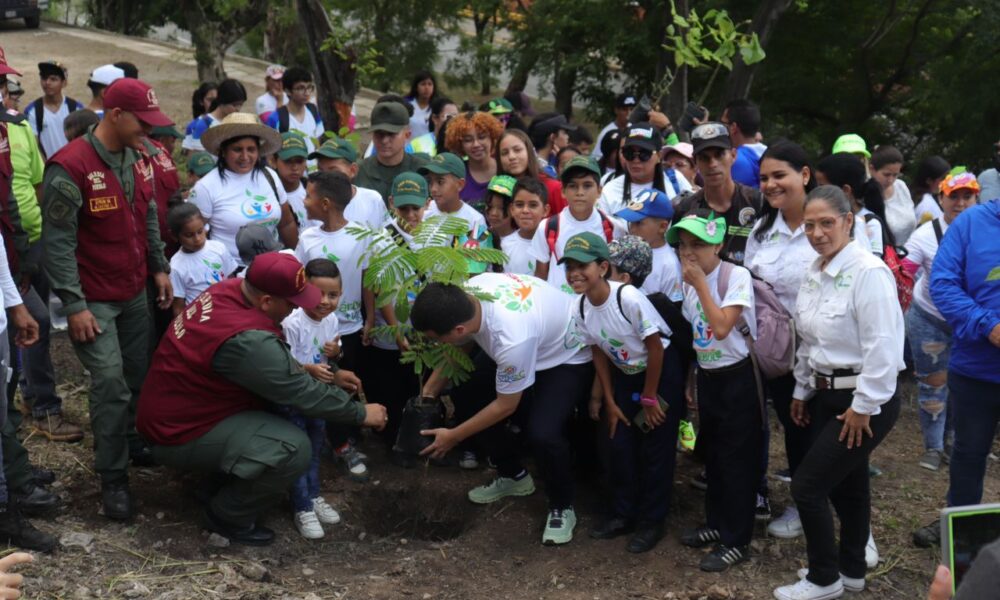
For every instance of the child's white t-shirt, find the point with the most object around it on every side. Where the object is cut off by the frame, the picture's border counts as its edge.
(472, 216)
(518, 251)
(568, 227)
(191, 273)
(297, 201)
(665, 277)
(367, 208)
(619, 332)
(308, 127)
(351, 257)
(236, 201)
(306, 337)
(714, 353)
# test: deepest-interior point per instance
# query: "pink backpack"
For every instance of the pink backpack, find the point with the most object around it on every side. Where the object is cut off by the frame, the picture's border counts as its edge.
(774, 350)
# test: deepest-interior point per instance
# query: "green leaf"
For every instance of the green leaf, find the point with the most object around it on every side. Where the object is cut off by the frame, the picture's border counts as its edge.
(752, 52)
(680, 21)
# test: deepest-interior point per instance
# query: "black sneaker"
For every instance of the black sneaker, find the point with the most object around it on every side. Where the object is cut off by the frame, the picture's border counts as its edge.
(701, 537)
(252, 535)
(611, 528)
(763, 510)
(928, 536)
(722, 557)
(700, 481)
(19, 532)
(35, 500)
(42, 476)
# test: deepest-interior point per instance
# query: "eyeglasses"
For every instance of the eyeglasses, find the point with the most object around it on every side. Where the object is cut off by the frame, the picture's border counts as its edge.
(304, 88)
(632, 153)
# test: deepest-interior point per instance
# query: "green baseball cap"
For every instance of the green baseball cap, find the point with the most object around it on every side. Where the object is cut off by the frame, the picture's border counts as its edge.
(580, 162)
(390, 116)
(409, 189)
(336, 147)
(585, 247)
(169, 130)
(503, 185)
(499, 106)
(711, 230)
(293, 145)
(201, 163)
(851, 143)
(445, 163)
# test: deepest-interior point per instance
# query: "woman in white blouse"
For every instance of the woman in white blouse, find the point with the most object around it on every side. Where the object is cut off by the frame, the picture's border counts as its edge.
(779, 252)
(887, 163)
(850, 354)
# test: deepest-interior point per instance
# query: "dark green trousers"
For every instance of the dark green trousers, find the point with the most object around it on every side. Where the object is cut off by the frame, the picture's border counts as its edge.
(16, 466)
(263, 454)
(117, 361)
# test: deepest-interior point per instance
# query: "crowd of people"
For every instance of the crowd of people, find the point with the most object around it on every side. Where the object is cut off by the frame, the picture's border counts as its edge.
(653, 278)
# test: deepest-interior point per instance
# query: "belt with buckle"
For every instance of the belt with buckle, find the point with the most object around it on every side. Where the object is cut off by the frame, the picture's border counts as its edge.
(822, 381)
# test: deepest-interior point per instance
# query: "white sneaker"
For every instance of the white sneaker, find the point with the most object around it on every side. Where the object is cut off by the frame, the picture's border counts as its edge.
(469, 461)
(871, 552)
(807, 590)
(851, 584)
(787, 526)
(326, 514)
(308, 525)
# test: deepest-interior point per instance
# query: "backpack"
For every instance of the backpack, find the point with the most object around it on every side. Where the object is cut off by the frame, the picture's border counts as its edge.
(552, 230)
(773, 353)
(893, 258)
(39, 109)
(283, 116)
(681, 336)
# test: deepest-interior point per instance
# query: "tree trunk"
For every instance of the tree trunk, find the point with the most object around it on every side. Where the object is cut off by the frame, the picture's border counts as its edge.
(741, 77)
(525, 64)
(481, 22)
(209, 50)
(337, 76)
(565, 83)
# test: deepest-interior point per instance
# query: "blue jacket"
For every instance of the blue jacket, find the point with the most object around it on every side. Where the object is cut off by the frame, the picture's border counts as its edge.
(965, 287)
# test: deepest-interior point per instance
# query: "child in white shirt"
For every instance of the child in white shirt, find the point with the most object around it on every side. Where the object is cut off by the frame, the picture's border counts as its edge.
(201, 262)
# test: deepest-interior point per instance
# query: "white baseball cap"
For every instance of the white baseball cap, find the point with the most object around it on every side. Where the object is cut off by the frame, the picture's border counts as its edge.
(106, 74)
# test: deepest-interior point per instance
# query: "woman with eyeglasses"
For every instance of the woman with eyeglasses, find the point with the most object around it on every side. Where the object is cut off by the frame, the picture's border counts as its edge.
(642, 170)
(849, 356)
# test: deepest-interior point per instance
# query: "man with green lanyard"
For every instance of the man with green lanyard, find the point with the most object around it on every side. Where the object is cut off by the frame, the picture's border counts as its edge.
(101, 240)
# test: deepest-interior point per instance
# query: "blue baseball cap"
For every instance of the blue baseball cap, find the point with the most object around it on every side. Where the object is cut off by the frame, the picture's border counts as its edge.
(648, 203)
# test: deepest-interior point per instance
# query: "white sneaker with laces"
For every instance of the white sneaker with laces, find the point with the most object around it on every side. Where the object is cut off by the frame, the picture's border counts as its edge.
(326, 514)
(787, 526)
(308, 525)
(851, 584)
(807, 590)
(871, 552)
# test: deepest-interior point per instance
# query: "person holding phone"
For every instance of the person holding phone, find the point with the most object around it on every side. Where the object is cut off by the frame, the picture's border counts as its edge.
(850, 354)
(643, 397)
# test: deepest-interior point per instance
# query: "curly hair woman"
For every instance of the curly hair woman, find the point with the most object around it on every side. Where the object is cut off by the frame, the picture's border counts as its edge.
(473, 135)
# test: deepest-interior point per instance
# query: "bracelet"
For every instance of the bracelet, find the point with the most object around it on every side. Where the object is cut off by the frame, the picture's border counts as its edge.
(648, 401)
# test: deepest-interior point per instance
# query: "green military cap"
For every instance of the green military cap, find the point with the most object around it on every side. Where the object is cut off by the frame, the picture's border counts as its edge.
(445, 163)
(169, 130)
(336, 147)
(409, 189)
(293, 145)
(585, 247)
(201, 163)
(580, 162)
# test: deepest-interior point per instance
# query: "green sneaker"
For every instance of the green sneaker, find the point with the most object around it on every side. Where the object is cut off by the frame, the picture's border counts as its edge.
(686, 435)
(559, 527)
(501, 487)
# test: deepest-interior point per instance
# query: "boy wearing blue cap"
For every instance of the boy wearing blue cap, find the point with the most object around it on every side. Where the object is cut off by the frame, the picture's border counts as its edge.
(648, 217)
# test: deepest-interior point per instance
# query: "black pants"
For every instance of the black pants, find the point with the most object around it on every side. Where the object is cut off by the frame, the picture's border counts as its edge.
(832, 473)
(545, 410)
(796, 438)
(642, 464)
(730, 411)
(339, 434)
(388, 382)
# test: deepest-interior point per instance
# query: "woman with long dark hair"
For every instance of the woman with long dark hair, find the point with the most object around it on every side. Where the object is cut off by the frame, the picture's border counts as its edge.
(847, 172)
(887, 163)
(423, 91)
(926, 186)
(230, 96)
(516, 157)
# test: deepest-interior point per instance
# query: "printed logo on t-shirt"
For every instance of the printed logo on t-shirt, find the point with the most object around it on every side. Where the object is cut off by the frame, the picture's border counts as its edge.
(256, 206)
(704, 337)
(215, 274)
(330, 256)
(350, 312)
(317, 354)
(515, 296)
(747, 216)
(620, 355)
(509, 374)
(843, 281)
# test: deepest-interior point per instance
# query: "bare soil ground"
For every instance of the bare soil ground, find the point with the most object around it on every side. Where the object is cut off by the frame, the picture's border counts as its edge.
(406, 533)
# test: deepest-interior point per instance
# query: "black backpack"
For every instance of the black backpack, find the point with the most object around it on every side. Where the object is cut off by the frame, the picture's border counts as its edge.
(39, 109)
(283, 116)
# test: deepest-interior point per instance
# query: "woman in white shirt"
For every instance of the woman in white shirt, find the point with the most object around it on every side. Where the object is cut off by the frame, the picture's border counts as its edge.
(930, 173)
(887, 163)
(850, 354)
(242, 190)
(779, 252)
(929, 334)
(423, 91)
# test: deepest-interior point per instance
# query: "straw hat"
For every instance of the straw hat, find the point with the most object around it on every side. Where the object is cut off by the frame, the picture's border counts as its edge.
(241, 124)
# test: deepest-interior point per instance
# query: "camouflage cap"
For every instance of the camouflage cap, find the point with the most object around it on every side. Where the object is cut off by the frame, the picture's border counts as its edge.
(632, 255)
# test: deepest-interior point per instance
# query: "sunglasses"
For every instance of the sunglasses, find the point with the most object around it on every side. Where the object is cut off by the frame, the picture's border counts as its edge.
(642, 154)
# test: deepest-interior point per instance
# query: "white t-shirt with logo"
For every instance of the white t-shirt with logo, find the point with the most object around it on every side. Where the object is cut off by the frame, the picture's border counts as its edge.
(666, 274)
(367, 208)
(528, 327)
(619, 332)
(568, 227)
(518, 251)
(714, 353)
(306, 336)
(236, 201)
(191, 273)
(472, 216)
(351, 257)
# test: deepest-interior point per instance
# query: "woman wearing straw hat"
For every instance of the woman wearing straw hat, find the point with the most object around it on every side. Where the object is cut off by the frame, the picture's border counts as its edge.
(241, 190)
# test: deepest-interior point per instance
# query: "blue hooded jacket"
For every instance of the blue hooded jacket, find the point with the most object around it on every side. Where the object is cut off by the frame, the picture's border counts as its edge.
(965, 287)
